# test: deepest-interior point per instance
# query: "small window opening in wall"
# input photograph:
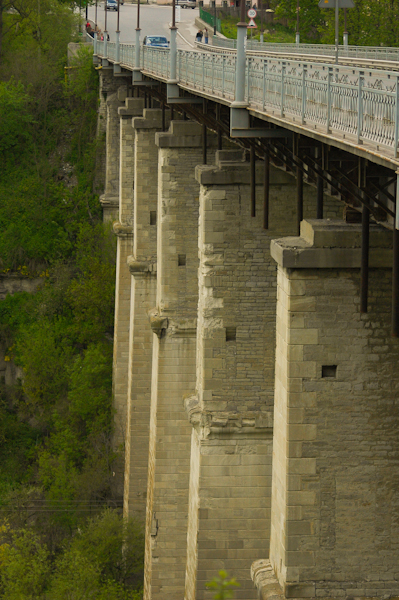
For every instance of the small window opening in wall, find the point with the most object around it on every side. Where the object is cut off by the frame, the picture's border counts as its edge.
(181, 260)
(231, 333)
(153, 217)
(329, 371)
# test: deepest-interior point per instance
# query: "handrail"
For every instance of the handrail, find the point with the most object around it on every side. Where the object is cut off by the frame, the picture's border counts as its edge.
(362, 106)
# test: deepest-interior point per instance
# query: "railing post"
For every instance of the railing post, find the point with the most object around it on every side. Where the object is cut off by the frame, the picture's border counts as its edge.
(117, 47)
(282, 88)
(203, 71)
(304, 69)
(264, 82)
(213, 68)
(359, 107)
(329, 98)
(223, 75)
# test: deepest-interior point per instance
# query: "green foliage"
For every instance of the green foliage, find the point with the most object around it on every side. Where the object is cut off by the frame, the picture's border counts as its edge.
(24, 566)
(103, 560)
(222, 586)
(368, 24)
(15, 120)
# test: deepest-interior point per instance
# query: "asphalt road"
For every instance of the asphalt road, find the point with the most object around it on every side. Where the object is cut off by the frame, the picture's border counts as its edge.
(154, 20)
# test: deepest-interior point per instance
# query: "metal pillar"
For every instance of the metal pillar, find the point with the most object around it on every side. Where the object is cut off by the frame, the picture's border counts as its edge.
(364, 265)
(253, 181)
(266, 185)
(320, 186)
(204, 144)
(364, 269)
(395, 266)
(299, 189)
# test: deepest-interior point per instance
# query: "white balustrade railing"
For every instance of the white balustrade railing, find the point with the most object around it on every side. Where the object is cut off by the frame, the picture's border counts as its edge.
(362, 104)
(362, 52)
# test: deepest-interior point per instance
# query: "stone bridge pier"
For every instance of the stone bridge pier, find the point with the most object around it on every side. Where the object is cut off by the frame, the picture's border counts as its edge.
(259, 407)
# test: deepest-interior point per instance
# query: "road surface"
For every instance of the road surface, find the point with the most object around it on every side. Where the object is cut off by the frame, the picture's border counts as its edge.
(154, 20)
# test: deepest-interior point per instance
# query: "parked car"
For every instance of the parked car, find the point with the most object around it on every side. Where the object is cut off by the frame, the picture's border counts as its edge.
(158, 41)
(112, 5)
(186, 3)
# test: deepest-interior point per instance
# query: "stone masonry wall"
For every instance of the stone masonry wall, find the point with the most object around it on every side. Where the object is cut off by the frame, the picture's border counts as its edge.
(174, 323)
(336, 454)
(142, 266)
(124, 231)
(230, 490)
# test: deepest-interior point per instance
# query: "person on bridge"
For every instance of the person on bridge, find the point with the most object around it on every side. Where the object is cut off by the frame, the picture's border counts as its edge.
(206, 36)
(198, 37)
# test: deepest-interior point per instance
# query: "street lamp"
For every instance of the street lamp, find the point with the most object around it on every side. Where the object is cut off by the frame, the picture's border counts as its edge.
(297, 23)
(345, 30)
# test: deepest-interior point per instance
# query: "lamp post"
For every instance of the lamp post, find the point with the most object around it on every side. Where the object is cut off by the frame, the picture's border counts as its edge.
(173, 45)
(137, 45)
(105, 30)
(345, 29)
(261, 22)
(241, 56)
(214, 17)
(117, 67)
(297, 23)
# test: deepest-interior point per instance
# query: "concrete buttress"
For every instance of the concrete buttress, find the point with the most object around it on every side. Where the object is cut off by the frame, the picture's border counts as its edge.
(123, 229)
(142, 266)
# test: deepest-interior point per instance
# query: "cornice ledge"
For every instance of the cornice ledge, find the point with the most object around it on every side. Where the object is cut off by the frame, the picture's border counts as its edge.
(193, 409)
(265, 581)
(158, 323)
(122, 229)
(143, 267)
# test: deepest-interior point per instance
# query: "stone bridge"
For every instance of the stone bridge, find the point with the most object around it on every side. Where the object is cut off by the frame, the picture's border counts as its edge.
(256, 374)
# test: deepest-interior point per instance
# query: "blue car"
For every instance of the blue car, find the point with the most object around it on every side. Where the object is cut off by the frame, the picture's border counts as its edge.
(158, 41)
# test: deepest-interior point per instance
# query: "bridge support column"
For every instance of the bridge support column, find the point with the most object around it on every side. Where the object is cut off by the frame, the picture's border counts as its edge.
(123, 228)
(231, 413)
(110, 199)
(142, 266)
(174, 325)
(335, 451)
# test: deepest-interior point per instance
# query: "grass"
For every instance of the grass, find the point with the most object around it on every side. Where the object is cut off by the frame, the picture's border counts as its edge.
(273, 33)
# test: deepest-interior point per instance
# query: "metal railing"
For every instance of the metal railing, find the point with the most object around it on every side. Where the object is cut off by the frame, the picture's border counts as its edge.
(363, 105)
(364, 52)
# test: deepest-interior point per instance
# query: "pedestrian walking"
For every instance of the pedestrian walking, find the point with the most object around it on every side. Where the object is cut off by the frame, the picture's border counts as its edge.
(206, 36)
(198, 37)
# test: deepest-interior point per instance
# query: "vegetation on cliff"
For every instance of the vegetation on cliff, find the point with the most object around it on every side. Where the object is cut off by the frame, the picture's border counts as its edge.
(60, 536)
(368, 24)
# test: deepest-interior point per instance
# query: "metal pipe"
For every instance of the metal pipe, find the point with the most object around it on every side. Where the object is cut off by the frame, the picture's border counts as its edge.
(266, 184)
(299, 186)
(299, 198)
(204, 143)
(364, 268)
(320, 187)
(395, 283)
(252, 159)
